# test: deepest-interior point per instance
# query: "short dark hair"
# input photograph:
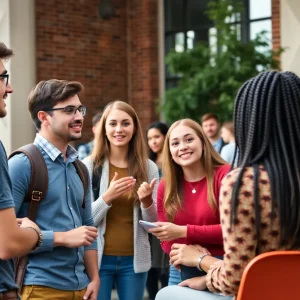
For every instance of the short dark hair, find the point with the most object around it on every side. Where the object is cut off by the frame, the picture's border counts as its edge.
(209, 116)
(5, 53)
(46, 94)
(96, 118)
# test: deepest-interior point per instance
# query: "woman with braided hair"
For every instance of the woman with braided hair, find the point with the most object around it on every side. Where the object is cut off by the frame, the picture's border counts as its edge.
(259, 201)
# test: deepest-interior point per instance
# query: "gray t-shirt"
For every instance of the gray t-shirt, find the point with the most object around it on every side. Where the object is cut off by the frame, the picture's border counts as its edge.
(6, 201)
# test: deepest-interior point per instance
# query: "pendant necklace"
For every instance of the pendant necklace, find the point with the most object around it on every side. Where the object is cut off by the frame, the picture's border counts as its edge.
(193, 187)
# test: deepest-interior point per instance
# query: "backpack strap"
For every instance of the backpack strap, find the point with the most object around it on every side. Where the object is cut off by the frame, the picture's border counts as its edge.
(96, 182)
(37, 190)
(84, 176)
(38, 178)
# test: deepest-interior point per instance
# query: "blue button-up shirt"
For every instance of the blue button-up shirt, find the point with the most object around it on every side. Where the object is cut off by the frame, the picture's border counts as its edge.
(61, 210)
(218, 144)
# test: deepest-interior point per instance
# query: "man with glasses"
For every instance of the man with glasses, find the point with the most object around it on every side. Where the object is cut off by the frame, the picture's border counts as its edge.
(14, 240)
(65, 265)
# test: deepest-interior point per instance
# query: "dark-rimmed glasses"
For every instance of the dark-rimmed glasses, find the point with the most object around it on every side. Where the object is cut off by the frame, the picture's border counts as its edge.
(5, 76)
(70, 110)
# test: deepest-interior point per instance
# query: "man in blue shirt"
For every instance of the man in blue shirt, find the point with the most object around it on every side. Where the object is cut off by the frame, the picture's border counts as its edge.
(14, 240)
(85, 149)
(65, 265)
(211, 127)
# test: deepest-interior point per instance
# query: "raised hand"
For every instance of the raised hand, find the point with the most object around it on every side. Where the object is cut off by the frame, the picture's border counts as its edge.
(145, 192)
(117, 187)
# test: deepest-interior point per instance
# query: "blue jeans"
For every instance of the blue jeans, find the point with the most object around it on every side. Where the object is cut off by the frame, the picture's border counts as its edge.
(174, 276)
(119, 270)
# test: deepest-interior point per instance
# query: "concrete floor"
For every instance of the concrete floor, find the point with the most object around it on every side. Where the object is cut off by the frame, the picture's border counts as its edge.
(114, 295)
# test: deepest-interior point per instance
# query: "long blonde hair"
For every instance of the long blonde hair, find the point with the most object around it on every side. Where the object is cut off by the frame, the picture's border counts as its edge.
(173, 173)
(137, 151)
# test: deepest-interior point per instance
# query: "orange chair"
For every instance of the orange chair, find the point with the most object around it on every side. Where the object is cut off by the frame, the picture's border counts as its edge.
(271, 276)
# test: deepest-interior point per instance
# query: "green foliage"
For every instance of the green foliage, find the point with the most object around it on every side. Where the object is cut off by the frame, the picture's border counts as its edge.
(210, 79)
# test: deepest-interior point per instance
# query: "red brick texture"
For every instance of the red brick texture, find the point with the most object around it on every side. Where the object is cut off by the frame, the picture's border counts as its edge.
(115, 58)
(276, 24)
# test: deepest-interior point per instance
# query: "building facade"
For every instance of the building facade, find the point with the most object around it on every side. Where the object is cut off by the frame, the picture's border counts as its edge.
(115, 48)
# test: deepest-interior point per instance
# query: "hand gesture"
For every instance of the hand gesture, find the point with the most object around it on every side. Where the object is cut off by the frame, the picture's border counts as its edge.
(81, 236)
(186, 255)
(196, 283)
(117, 187)
(168, 231)
(145, 192)
(25, 222)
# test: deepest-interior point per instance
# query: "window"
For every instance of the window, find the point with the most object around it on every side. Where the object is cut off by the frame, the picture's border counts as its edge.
(186, 23)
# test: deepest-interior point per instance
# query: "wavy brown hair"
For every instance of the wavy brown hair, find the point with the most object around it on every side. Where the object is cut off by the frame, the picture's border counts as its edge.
(173, 173)
(137, 151)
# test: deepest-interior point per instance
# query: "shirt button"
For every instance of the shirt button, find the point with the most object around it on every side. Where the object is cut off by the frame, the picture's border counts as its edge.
(68, 187)
(71, 208)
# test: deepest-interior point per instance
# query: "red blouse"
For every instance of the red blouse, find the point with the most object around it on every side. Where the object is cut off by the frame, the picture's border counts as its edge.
(203, 223)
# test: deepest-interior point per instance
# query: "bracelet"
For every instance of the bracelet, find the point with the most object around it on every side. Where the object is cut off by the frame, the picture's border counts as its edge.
(199, 261)
(40, 238)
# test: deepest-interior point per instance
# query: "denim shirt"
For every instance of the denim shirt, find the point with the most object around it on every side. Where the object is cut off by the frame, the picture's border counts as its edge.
(218, 145)
(61, 210)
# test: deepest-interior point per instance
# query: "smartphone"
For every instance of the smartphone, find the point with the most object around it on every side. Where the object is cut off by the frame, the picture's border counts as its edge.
(147, 225)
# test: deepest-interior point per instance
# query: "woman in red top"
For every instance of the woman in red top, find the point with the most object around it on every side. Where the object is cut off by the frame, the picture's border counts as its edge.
(188, 197)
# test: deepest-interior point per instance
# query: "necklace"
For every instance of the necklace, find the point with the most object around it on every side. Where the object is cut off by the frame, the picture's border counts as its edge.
(193, 187)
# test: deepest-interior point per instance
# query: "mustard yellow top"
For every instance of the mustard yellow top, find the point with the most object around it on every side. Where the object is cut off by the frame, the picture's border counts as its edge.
(119, 221)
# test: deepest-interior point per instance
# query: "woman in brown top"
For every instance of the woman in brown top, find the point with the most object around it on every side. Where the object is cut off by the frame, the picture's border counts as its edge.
(259, 202)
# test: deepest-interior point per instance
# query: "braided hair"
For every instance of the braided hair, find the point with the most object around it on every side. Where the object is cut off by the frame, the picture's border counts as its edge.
(267, 132)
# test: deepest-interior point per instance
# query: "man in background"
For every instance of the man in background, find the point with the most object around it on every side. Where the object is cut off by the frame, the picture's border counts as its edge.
(211, 127)
(85, 149)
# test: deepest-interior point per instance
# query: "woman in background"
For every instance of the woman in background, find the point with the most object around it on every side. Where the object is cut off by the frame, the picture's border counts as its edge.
(159, 271)
(188, 195)
(127, 194)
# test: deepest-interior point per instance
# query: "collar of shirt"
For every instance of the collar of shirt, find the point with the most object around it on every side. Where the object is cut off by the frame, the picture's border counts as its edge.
(52, 151)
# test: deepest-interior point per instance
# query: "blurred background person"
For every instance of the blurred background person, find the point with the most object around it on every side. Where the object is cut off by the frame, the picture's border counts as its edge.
(211, 127)
(158, 275)
(85, 149)
(127, 194)
(227, 134)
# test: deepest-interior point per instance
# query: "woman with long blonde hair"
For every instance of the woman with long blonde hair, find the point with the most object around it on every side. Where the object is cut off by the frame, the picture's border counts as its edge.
(188, 197)
(126, 194)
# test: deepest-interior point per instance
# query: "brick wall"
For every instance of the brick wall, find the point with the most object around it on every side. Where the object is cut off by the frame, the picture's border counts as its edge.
(276, 24)
(114, 58)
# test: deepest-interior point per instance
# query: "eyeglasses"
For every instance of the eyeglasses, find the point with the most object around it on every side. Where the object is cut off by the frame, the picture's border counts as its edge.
(70, 109)
(5, 77)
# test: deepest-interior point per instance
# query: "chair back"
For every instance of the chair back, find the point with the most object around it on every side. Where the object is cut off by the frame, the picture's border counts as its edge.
(271, 276)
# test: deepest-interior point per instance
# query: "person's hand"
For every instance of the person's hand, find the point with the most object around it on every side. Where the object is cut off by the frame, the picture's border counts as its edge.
(81, 236)
(92, 290)
(186, 255)
(25, 222)
(117, 187)
(168, 231)
(145, 192)
(196, 283)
